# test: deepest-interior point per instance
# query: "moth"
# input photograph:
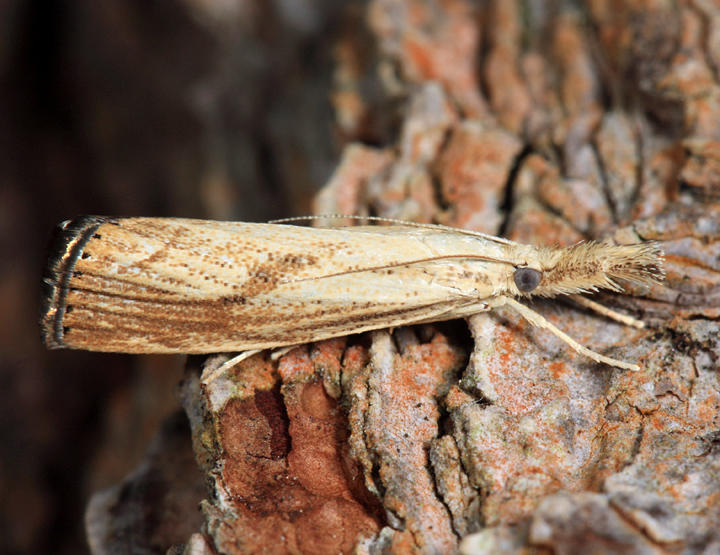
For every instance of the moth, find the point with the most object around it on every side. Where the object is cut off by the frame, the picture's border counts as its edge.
(170, 285)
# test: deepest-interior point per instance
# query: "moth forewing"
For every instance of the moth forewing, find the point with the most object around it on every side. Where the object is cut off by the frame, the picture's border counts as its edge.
(164, 285)
(170, 285)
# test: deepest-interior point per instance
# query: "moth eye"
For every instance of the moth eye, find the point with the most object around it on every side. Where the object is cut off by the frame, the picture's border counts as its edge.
(527, 279)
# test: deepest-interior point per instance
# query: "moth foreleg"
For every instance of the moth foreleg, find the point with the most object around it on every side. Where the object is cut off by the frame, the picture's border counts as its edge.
(538, 320)
(608, 312)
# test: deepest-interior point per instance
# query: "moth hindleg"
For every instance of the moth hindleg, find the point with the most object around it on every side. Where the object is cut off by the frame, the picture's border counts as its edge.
(208, 377)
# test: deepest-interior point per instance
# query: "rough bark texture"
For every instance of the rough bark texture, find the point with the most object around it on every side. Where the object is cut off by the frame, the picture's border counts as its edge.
(549, 123)
(549, 127)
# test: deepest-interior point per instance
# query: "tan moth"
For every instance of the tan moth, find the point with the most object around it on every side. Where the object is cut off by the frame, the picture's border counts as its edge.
(169, 285)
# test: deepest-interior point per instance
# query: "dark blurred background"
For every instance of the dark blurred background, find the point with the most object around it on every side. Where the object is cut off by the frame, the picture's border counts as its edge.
(196, 108)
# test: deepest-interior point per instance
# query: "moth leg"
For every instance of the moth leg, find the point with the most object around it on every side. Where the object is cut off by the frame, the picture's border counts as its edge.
(225, 366)
(608, 312)
(208, 377)
(465, 310)
(537, 320)
(281, 352)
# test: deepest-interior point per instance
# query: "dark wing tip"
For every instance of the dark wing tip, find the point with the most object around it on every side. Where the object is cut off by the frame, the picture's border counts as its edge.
(65, 246)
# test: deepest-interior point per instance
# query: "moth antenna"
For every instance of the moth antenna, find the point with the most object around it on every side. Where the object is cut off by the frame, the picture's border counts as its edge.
(396, 222)
(403, 264)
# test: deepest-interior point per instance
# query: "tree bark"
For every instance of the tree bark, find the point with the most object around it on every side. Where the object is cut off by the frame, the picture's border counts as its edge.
(547, 123)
